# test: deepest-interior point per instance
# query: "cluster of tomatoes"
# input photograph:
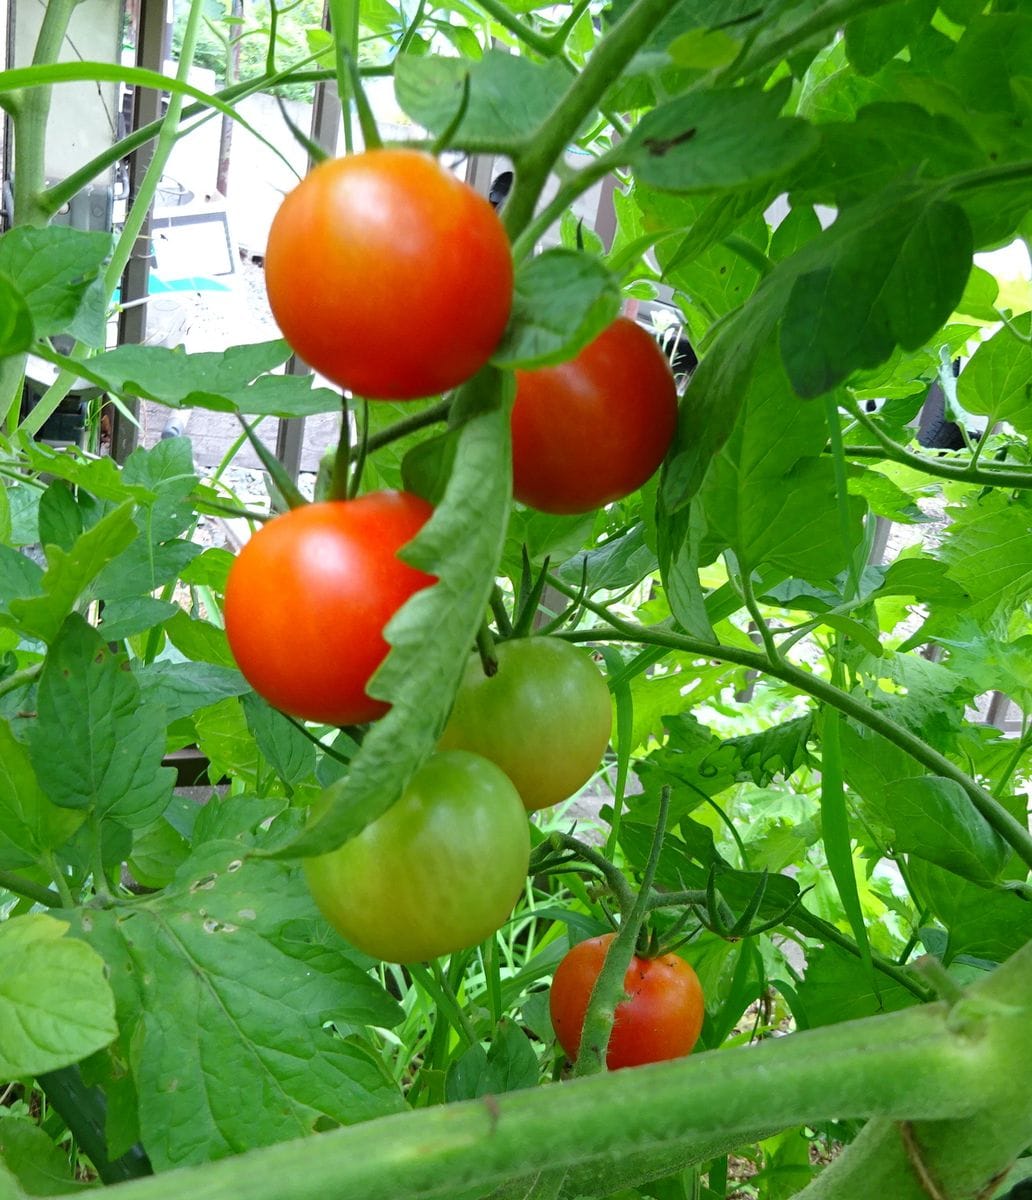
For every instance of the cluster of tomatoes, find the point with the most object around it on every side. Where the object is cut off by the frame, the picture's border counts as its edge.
(308, 598)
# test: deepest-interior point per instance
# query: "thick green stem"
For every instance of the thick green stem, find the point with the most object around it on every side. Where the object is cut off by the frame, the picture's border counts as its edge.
(30, 119)
(827, 19)
(20, 679)
(548, 144)
(608, 991)
(987, 474)
(1012, 831)
(20, 886)
(931, 1063)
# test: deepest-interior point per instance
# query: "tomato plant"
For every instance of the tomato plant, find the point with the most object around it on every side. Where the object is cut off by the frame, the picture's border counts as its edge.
(308, 597)
(594, 429)
(438, 872)
(388, 275)
(544, 717)
(660, 1019)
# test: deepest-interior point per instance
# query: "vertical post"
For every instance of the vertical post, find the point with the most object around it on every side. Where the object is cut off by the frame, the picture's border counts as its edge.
(132, 322)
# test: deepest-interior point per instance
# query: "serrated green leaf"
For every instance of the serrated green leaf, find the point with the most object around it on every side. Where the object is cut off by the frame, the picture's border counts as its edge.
(182, 688)
(431, 635)
(111, 744)
(888, 272)
(290, 753)
(56, 1005)
(232, 380)
(260, 981)
(509, 96)
(70, 576)
(60, 518)
(934, 819)
(563, 299)
(17, 332)
(52, 267)
(31, 825)
(998, 380)
(837, 987)
(983, 924)
(769, 494)
(873, 38)
(726, 139)
(988, 552)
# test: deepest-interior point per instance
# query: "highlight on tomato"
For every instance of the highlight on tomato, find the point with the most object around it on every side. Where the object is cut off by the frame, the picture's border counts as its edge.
(388, 275)
(308, 597)
(544, 717)
(661, 1018)
(594, 429)
(440, 871)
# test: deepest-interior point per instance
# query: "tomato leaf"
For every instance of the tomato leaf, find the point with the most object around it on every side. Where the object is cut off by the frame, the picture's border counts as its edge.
(998, 379)
(260, 980)
(31, 825)
(56, 1005)
(231, 380)
(888, 272)
(873, 38)
(52, 268)
(838, 987)
(509, 97)
(112, 745)
(563, 299)
(934, 819)
(433, 633)
(16, 329)
(71, 574)
(770, 493)
(718, 139)
(982, 924)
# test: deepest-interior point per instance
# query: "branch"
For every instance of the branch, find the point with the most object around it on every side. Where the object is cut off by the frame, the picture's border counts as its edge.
(1011, 830)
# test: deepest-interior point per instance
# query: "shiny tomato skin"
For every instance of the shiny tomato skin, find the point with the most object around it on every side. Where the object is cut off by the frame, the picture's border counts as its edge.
(388, 275)
(544, 717)
(660, 1019)
(308, 597)
(592, 430)
(440, 871)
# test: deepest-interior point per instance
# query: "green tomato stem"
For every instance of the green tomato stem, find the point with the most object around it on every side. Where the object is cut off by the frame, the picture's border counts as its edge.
(608, 991)
(952, 1069)
(12, 882)
(1010, 829)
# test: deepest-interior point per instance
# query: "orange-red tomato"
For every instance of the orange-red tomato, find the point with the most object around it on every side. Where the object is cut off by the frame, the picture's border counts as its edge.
(309, 595)
(660, 1019)
(594, 429)
(388, 275)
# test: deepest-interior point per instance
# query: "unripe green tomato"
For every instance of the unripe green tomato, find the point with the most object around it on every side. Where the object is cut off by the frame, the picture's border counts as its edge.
(438, 872)
(544, 717)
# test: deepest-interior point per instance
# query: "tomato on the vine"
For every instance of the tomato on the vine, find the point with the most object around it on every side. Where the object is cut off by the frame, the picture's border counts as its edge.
(388, 275)
(661, 1017)
(438, 872)
(544, 717)
(594, 429)
(308, 597)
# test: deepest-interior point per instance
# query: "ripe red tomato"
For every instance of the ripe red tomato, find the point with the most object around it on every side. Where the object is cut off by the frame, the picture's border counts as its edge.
(660, 1019)
(594, 429)
(388, 275)
(438, 872)
(544, 717)
(309, 595)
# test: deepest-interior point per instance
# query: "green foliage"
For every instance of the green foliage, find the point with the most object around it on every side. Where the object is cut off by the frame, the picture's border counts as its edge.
(798, 710)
